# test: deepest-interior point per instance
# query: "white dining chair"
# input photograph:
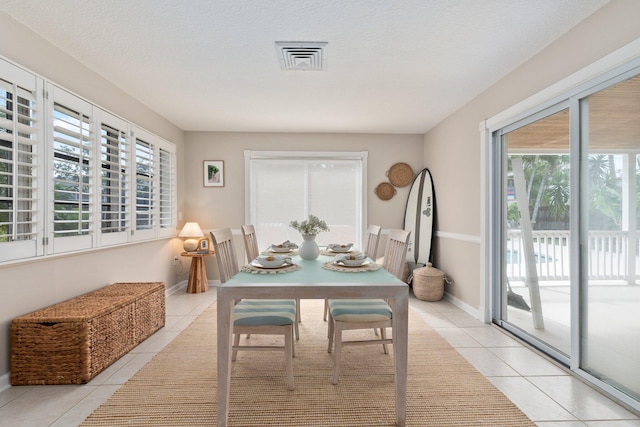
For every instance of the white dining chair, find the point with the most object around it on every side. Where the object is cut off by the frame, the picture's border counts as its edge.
(350, 314)
(250, 242)
(371, 248)
(373, 236)
(256, 316)
(252, 250)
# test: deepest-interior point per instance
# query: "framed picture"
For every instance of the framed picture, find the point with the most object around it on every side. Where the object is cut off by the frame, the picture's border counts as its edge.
(203, 245)
(213, 173)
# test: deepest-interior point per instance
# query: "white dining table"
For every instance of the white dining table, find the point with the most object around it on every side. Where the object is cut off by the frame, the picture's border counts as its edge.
(312, 281)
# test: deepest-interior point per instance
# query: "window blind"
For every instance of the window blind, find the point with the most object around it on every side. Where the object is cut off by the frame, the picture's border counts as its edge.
(290, 186)
(72, 172)
(167, 186)
(18, 161)
(114, 166)
(145, 197)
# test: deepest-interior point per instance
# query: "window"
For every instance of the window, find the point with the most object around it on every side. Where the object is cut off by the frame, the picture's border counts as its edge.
(67, 170)
(287, 186)
(72, 169)
(167, 177)
(145, 165)
(19, 160)
(114, 186)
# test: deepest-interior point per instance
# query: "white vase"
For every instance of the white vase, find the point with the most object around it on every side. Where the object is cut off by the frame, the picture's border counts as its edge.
(309, 249)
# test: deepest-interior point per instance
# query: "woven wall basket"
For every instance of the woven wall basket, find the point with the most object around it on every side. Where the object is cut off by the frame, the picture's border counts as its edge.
(400, 174)
(385, 191)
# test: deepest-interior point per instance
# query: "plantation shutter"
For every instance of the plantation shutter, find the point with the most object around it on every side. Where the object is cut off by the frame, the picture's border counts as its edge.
(20, 136)
(167, 192)
(145, 196)
(72, 168)
(114, 180)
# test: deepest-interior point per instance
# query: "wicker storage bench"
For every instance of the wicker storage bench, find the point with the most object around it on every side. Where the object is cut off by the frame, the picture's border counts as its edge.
(73, 341)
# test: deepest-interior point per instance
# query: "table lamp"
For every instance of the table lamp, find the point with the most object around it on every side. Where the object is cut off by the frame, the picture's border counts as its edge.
(192, 231)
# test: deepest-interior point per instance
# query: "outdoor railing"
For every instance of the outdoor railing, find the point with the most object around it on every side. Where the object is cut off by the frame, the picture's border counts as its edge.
(608, 255)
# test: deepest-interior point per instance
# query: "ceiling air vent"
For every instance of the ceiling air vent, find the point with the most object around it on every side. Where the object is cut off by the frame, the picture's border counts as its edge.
(303, 56)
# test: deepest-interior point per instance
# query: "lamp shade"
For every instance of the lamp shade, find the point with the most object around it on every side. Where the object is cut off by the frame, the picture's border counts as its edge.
(192, 231)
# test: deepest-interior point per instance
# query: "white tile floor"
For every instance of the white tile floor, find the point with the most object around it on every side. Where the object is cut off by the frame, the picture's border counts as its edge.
(546, 393)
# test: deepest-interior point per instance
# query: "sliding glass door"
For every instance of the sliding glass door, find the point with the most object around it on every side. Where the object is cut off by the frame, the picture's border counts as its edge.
(567, 201)
(536, 286)
(610, 291)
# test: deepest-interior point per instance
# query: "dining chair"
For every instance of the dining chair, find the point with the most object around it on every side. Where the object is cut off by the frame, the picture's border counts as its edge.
(373, 236)
(351, 314)
(251, 247)
(371, 248)
(256, 316)
(250, 242)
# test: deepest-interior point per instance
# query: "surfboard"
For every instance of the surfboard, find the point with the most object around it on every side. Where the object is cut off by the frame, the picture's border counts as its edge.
(419, 218)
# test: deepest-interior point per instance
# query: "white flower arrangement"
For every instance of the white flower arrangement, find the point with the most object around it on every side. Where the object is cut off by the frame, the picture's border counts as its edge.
(310, 226)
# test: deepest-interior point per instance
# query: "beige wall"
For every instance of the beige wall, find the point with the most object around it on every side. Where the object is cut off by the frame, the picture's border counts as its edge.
(452, 149)
(215, 207)
(27, 286)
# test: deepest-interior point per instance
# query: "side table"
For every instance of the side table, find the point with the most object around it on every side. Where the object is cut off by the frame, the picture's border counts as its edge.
(198, 281)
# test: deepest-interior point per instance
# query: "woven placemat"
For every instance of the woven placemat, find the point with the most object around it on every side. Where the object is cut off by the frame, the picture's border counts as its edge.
(360, 269)
(248, 268)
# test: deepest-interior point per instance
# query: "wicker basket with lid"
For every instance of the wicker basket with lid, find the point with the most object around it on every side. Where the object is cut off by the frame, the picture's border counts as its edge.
(428, 283)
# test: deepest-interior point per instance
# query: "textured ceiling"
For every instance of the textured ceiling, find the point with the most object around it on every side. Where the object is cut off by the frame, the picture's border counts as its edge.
(391, 66)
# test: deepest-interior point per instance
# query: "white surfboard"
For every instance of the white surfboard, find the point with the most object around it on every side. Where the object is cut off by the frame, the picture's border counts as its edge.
(418, 218)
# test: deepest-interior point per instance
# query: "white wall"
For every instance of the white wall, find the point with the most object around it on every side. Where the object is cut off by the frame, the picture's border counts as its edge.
(453, 152)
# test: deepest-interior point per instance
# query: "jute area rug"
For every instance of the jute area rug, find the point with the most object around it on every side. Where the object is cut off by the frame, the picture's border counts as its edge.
(178, 386)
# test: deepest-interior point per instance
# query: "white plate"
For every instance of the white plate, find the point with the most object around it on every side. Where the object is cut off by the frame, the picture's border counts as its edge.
(257, 264)
(342, 264)
(280, 250)
(341, 250)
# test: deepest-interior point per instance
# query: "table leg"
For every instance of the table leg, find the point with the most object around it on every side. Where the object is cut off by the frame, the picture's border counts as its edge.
(400, 338)
(225, 335)
(198, 281)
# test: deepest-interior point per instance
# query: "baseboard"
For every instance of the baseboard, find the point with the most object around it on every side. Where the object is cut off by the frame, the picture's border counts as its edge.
(5, 381)
(175, 288)
(463, 306)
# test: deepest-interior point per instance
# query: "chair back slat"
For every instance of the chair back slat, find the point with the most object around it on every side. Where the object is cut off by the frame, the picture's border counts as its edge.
(250, 242)
(225, 253)
(396, 252)
(373, 236)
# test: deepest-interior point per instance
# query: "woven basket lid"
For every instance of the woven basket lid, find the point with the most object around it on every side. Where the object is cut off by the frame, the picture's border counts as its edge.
(429, 270)
(400, 174)
(385, 191)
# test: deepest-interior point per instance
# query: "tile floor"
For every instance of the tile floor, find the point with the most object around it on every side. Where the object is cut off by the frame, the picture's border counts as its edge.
(546, 393)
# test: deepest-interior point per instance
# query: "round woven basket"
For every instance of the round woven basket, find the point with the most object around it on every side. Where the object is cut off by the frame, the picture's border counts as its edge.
(428, 283)
(385, 191)
(400, 174)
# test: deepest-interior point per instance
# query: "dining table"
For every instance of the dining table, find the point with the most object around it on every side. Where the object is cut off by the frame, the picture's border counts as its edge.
(313, 279)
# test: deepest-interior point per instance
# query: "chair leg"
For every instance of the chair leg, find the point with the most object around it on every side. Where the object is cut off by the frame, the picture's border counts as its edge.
(330, 333)
(236, 342)
(383, 335)
(337, 354)
(298, 319)
(293, 345)
(288, 350)
(326, 309)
